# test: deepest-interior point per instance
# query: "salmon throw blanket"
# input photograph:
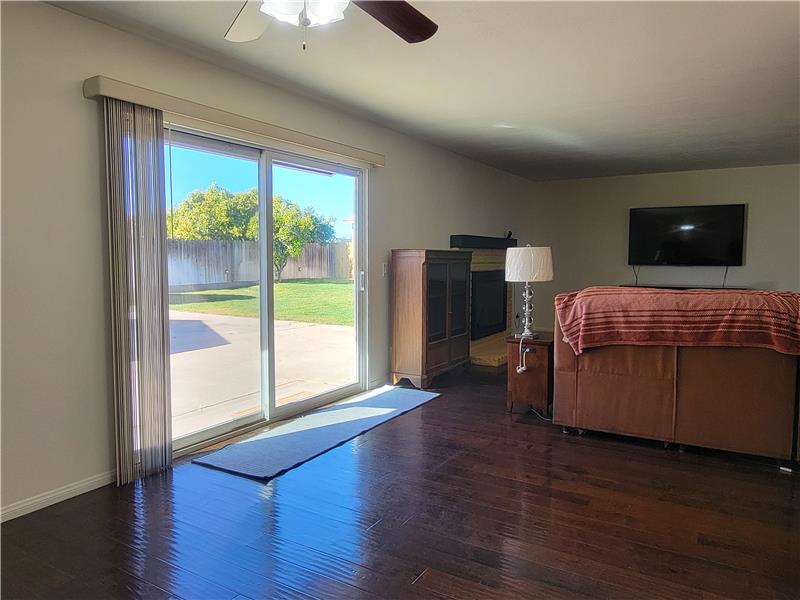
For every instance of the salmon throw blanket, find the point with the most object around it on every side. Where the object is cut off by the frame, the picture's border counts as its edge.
(615, 316)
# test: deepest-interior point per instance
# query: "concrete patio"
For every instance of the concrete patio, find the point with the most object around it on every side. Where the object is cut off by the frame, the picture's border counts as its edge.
(215, 366)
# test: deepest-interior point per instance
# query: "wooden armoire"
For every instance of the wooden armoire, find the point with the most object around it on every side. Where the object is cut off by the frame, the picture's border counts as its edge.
(430, 311)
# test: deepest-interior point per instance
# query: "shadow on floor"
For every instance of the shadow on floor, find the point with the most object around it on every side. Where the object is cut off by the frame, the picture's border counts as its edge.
(188, 335)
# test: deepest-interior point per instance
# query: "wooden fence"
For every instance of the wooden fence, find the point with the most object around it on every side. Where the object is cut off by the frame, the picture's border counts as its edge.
(206, 264)
(321, 261)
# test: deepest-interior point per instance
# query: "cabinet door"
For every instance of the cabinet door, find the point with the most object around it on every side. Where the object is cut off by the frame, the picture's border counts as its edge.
(437, 301)
(458, 276)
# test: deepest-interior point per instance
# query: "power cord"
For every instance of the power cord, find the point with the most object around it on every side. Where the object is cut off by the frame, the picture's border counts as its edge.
(636, 275)
(725, 277)
(540, 415)
(521, 366)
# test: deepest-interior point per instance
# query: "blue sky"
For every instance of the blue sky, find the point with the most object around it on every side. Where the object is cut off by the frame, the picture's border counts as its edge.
(330, 196)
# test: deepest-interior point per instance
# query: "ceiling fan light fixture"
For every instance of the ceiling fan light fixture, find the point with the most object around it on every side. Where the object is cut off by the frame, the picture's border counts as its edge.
(317, 12)
(286, 11)
(397, 16)
(322, 12)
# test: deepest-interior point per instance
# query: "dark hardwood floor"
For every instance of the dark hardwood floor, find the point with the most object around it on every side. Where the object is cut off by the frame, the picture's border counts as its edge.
(456, 499)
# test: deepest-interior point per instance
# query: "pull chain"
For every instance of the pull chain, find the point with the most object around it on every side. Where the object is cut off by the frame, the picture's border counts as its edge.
(304, 24)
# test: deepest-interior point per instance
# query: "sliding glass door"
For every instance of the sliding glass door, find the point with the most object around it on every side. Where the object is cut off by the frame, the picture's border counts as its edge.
(266, 279)
(213, 271)
(316, 281)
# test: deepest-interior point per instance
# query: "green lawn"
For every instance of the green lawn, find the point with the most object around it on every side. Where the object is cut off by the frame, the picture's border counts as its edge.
(328, 301)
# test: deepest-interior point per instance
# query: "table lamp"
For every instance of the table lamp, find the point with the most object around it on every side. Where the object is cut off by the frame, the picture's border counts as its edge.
(528, 264)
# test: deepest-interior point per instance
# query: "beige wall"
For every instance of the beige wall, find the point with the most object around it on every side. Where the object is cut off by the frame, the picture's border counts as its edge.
(591, 227)
(57, 411)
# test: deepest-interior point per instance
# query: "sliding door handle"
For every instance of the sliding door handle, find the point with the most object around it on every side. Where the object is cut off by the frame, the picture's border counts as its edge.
(362, 281)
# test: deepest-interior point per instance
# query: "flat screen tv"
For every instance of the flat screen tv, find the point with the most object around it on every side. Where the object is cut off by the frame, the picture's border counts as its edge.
(687, 235)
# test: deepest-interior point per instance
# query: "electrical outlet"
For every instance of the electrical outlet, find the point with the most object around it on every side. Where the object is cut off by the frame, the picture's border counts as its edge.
(385, 269)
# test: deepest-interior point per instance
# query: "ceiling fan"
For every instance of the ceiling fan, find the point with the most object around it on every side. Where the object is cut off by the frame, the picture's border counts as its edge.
(400, 17)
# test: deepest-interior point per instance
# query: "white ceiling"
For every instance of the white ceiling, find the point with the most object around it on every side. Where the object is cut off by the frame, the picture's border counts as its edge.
(547, 90)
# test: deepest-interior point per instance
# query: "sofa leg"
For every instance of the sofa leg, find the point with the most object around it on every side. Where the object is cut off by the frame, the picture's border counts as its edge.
(581, 431)
(566, 430)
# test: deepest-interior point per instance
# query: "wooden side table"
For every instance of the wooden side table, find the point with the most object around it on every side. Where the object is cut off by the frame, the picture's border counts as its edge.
(534, 386)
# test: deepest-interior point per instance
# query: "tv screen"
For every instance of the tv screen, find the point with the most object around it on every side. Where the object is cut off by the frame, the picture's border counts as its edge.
(687, 235)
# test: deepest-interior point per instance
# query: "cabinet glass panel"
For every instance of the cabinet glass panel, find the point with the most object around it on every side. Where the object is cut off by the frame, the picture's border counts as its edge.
(437, 301)
(458, 298)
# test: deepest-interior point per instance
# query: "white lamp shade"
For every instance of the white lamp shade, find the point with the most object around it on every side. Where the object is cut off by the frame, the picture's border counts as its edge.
(531, 263)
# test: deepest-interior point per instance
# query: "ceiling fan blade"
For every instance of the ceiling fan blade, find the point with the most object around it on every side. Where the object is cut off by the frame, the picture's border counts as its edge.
(402, 18)
(249, 24)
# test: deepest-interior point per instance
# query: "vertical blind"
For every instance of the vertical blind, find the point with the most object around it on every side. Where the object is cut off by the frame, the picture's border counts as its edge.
(137, 256)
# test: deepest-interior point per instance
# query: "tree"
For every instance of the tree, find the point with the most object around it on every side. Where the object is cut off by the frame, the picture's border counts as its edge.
(217, 214)
(292, 229)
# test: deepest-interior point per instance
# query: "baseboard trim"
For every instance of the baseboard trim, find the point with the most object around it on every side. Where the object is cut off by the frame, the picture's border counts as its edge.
(39, 501)
(378, 382)
(34, 503)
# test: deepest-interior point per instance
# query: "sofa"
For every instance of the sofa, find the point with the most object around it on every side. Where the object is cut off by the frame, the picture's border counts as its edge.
(737, 399)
